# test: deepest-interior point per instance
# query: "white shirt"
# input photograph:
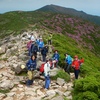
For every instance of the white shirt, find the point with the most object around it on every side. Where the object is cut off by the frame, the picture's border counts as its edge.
(47, 68)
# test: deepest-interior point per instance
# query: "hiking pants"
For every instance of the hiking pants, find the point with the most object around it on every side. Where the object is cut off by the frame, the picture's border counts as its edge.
(30, 78)
(30, 75)
(76, 72)
(49, 42)
(47, 82)
(67, 68)
(44, 58)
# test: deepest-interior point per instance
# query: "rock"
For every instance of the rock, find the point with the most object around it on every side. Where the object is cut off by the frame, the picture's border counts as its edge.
(69, 97)
(60, 81)
(2, 96)
(69, 86)
(6, 84)
(30, 93)
(11, 94)
(67, 93)
(57, 98)
(23, 57)
(10, 45)
(51, 92)
(53, 72)
(14, 49)
(39, 93)
(8, 98)
(8, 53)
(59, 92)
(3, 49)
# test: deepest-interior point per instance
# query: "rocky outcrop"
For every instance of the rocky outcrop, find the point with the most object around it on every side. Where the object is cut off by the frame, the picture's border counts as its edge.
(13, 54)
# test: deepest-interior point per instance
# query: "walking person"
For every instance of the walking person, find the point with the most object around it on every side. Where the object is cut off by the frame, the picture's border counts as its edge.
(56, 57)
(68, 62)
(46, 73)
(76, 65)
(49, 38)
(31, 66)
(44, 52)
(41, 45)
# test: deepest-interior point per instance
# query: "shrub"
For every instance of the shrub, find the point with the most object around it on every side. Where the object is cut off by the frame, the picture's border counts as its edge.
(61, 74)
(87, 85)
(86, 96)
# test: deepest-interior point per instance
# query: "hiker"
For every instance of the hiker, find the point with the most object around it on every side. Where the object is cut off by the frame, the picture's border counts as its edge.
(44, 52)
(31, 37)
(68, 62)
(29, 47)
(34, 49)
(76, 65)
(37, 41)
(49, 38)
(46, 74)
(31, 66)
(56, 58)
(41, 44)
(41, 69)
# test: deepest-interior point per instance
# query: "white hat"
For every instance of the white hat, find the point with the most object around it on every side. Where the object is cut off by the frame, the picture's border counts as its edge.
(22, 66)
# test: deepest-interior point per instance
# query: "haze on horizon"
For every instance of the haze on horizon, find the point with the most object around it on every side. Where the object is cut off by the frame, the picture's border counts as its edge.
(90, 6)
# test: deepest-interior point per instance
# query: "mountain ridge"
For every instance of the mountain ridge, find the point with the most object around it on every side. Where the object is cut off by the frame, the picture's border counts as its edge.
(58, 9)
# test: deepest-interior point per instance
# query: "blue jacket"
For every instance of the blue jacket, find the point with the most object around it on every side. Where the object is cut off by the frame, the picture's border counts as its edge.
(37, 41)
(41, 44)
(34, 48)
(56, 56)
(68, 59)
(44, 51)
(31, 64)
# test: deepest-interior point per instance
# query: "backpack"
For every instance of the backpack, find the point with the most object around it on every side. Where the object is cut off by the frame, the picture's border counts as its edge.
(42, 68)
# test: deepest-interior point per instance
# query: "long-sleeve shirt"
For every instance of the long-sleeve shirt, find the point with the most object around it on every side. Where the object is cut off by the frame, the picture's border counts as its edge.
(46, 69)
(41, 44)
(31, 64)
(76, 64)
(68, 59)
(56, 56)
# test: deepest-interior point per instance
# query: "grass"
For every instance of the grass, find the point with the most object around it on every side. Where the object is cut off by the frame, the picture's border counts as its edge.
(4, 91)
(61, 74)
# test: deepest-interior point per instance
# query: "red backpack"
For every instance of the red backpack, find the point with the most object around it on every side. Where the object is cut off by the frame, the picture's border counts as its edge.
(42, 68)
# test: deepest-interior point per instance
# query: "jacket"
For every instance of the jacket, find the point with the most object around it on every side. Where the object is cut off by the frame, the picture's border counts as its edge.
(76, 64)
(34, 48)
(41, 44)
(56, 56)
(44, 51)
(68, 59)
(46, 69)
(31, 65)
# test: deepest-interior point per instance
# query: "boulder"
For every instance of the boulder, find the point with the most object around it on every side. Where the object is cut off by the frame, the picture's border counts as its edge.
(8, 52)
(6, 84)
(3, 49)
(60, 81)
(58, 98)
(2, 96)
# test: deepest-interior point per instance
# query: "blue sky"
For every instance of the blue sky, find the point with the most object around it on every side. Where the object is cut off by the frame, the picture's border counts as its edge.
(88, 6)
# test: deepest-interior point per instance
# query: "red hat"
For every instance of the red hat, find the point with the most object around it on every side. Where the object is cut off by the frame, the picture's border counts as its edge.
(75, 56)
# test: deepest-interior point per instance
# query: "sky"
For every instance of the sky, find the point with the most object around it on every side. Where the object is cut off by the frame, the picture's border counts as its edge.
(88, 6)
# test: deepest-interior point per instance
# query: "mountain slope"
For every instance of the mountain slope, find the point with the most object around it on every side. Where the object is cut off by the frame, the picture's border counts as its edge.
(70, 11)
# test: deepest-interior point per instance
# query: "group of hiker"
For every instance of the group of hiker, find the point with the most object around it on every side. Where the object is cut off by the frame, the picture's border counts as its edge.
(37, 45)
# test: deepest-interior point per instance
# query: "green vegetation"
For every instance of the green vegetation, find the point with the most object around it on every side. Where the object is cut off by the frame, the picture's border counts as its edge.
(87, 88)
(61, 74)
(4, 91)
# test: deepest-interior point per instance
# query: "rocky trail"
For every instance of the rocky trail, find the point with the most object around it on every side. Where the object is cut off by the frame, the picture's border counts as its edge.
(13, 54)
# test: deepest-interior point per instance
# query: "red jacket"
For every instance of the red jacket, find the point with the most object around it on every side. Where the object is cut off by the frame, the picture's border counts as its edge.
(76, 64)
